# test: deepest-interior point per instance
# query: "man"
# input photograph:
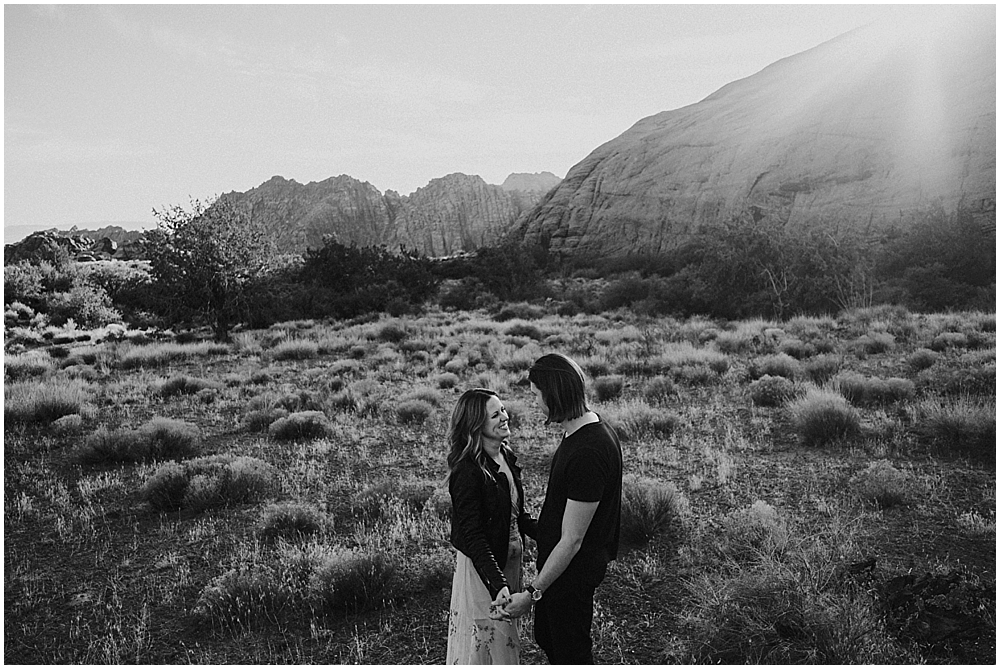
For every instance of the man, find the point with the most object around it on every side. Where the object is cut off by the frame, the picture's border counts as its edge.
(579, 523)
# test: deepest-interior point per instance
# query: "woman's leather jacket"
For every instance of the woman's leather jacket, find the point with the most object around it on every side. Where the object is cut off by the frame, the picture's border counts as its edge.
(480, 517)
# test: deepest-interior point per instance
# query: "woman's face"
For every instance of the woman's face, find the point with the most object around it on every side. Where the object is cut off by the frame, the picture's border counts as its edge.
(497, 427)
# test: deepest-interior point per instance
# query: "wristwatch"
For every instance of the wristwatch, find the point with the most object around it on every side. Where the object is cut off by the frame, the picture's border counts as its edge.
(535, 593)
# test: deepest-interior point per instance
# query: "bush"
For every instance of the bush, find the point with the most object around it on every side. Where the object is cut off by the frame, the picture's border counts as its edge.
(295, 349)
(796, 348)
(447, 380)
(71, 424)
(921, 359)
(659, 388)
(780, 364)
(290, 521)
(351, 580)
(259, 420)
(41, 403)
(947, 340)
(26, 365)
(519, 310)
(84, 303)
(822, 417)
(883, 485)
(862, 391)
(648, 508)
(301, 425)
(874, 343)
(159, 439)
(429, 395)
(186, 385)
(209, 482)
(607, 388)
(771, 391)
(414, 411)
(245, 597)
(635, 420)
(373, 501)
(959, 425)
(823, 367)
(524, 330)
(750, 532)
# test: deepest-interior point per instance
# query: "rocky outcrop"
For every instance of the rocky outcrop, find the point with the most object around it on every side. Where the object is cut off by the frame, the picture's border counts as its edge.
(455, 214)
(52, 246)
(452, 214)
(858, 131)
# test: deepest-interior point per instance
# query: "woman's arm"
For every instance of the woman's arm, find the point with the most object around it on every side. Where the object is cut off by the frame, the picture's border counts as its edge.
(466, 488)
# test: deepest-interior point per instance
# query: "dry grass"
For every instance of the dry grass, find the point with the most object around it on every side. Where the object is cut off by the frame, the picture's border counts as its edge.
(743, 521)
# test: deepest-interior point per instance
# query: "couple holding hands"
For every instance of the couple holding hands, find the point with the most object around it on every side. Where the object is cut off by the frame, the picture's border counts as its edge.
(576, 532)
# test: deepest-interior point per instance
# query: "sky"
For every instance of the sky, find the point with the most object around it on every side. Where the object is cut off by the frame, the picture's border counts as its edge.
(111, 111)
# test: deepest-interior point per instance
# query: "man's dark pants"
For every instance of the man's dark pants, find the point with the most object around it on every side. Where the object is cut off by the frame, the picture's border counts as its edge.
(564, 615)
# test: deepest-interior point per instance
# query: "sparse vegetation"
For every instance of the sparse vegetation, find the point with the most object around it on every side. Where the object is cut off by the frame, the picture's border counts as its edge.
(322, 517)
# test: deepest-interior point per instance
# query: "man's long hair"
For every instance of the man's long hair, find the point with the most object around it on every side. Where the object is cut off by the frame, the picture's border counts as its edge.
(562, 384)
(465, 436)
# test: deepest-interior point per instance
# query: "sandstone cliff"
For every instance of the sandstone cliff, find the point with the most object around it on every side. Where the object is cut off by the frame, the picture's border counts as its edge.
(857, 131)
(452, 214)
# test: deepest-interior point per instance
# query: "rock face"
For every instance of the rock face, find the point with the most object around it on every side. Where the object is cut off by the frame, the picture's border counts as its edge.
(452, 214)
(50, 245)
(857, 131)
(539, 182)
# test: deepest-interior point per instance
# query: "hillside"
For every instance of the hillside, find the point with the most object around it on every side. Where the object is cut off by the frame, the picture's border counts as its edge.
(858, 131)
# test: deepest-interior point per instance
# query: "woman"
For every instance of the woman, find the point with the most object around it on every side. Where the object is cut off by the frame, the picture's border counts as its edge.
(488, 524)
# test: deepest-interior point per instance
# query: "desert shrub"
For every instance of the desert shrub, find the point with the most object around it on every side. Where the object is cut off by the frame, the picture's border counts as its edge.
(771, 391)
(43, 402)
(946, 340)
(822, 417)
(519, 310)
(392, 332)
(353, 580)
(796, 348)
(439, 503)
(295, 349)
(753, 531)
(164, 489)
(301, 425)
(84, 303)
(634, 420)
(863, 391)
(258, 420)
(596, 367)
(874, 343)
(71, 424)
(157, 355)
(769, 615)
(696, 375)
(446, 380)
(607, 388)
(290, 521)
(159, 439)
(456, 365)
(739, 341)
(648, 508)
(22, 282)
(210, 482)
(524, 330)
(246, 596)
(823, 367)
(659, 388)
(185, 385)
(374, 501)
(719, 365)
(26, 365)
(921, 359)
(780, 364)
(960, 425)
(429, 395)
(883, 485)
(414, 411)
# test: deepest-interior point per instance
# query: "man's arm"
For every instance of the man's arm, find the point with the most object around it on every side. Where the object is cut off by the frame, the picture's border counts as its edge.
(576, 520)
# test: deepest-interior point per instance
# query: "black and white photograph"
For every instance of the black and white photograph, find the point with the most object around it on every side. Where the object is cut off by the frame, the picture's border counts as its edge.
(424, 334)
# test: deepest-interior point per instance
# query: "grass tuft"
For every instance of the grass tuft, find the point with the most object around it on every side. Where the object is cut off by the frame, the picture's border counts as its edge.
(301, 425)
(648, 508)
(823, 417)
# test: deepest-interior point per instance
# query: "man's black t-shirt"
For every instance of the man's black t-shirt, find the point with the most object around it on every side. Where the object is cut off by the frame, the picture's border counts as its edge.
(587, 467)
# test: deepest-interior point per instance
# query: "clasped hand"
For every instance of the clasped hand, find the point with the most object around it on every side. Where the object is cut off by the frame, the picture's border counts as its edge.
(507, 606)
